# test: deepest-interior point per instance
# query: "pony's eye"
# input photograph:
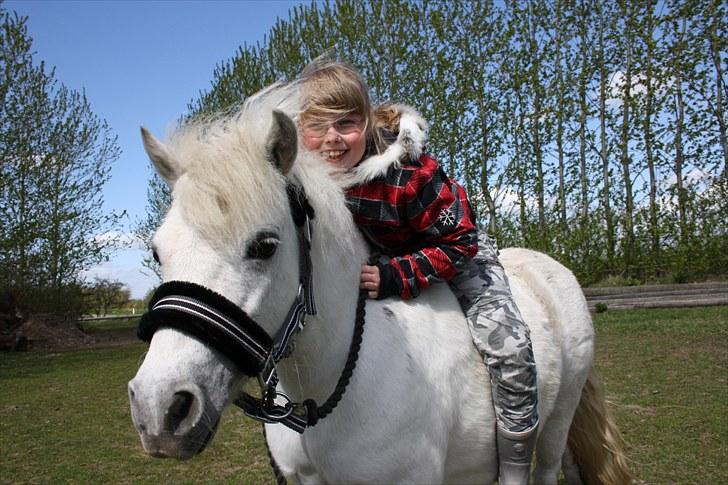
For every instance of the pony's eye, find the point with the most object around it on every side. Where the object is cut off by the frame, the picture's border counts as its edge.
(264, 246)
(155, 256)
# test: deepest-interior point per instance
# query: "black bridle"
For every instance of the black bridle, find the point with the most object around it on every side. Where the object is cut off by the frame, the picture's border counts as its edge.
(222, 325)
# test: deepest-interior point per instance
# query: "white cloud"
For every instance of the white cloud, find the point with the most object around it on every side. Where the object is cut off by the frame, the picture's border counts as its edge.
(506, 198)
(615, 89)
(617, 80)
(697, 179)
(696, 175)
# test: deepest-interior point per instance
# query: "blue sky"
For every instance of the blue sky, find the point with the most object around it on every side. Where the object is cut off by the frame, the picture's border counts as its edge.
(140, 63)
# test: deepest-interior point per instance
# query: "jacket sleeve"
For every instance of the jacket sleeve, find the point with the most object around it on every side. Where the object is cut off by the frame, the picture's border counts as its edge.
(436, 208)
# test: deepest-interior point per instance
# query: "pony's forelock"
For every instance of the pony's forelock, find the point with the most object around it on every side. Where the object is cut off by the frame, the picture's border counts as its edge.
(229, 183)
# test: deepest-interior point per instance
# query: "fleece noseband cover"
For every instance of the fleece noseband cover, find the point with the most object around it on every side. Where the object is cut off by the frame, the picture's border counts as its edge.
(212, 319)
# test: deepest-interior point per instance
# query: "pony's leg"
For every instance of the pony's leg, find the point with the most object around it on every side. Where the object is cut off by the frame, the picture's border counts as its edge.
(287, 450)
(570, 468)
(551, 444)
(555, 433)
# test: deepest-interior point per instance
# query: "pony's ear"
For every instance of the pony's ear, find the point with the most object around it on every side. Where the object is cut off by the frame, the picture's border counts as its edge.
(165, 165)
(282, 144)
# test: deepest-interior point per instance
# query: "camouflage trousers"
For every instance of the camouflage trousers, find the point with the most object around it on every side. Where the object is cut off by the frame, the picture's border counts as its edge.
(500, 335)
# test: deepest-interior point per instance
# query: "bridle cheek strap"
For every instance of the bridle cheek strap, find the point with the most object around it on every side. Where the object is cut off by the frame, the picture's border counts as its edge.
(221, 324)
(211, 318)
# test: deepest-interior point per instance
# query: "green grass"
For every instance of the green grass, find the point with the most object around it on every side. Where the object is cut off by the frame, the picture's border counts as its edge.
(64, 417)
(95, 326)
(666, 372)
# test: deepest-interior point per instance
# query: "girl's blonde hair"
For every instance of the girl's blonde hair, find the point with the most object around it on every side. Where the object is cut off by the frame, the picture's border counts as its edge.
(333, 90)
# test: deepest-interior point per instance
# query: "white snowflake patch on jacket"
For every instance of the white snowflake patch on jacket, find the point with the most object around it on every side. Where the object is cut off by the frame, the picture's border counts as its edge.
(446, 217)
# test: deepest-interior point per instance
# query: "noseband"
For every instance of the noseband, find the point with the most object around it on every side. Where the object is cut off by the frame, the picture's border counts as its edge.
(221, 324)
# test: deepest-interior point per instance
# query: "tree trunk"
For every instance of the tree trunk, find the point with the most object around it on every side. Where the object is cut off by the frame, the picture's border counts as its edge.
(22, 262)
(485, 172)
(719, 87)
(679, 126)
(604, 150)
(521, 169)
(560, 121)
(583, 114)
(543, 242)
(628, 244)
(648, 139)
(485, 128)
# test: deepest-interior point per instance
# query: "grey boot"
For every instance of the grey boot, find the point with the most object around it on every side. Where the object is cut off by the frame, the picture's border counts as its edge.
(514, 455)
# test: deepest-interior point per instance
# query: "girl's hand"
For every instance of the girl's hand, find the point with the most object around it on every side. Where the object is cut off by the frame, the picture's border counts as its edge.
(370, 280)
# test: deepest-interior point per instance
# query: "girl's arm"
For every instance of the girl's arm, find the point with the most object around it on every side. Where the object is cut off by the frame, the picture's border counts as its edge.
(437, 209)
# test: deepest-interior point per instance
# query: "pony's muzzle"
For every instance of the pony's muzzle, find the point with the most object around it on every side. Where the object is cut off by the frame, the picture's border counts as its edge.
(175, 425)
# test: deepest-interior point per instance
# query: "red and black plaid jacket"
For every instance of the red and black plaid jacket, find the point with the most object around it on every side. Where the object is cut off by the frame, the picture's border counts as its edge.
(421, 219)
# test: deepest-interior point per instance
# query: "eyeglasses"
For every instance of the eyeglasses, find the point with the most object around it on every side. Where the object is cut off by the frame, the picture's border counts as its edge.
(343, 126)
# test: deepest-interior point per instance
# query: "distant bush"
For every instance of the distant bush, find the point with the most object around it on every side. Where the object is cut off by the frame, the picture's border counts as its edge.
(617, 280)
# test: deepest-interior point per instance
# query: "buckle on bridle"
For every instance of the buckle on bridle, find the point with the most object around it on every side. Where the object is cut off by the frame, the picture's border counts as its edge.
(273, 411)
(266, 410)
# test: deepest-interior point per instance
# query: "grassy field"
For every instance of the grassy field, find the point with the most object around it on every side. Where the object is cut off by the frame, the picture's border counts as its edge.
(666, 372)
(120, 331)
(64, 417)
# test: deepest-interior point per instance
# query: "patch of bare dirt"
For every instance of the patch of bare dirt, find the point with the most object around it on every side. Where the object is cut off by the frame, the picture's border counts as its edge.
(47, 332)
(50, 333)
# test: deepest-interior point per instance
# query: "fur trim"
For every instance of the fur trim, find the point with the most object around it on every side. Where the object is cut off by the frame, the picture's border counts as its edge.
(410, 142)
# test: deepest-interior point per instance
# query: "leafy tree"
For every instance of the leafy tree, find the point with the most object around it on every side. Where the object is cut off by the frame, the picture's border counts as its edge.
(25, 106)
(592, 130)
(56, 157)
(105, 294)
(159, 198)
(627, 25)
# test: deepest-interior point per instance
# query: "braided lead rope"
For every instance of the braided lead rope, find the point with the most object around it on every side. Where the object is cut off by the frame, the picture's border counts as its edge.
(314, 412)
(299, 416)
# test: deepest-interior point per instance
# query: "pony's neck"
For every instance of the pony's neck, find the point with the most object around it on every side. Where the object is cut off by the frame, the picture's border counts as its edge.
(337, 253)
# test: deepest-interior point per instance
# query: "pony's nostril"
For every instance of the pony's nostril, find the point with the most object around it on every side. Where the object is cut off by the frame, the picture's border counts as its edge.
(179, 410)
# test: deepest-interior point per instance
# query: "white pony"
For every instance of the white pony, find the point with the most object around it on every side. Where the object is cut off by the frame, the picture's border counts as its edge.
(418, 407)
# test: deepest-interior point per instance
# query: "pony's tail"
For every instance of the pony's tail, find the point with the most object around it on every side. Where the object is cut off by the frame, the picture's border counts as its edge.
(594, 439)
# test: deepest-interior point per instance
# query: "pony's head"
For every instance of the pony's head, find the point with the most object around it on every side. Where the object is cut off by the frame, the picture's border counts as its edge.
(230, 230)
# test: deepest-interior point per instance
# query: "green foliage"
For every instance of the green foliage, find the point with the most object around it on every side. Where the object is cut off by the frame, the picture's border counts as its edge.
(56, 157)
(159, 198)
(594, 131)
(104, 295)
